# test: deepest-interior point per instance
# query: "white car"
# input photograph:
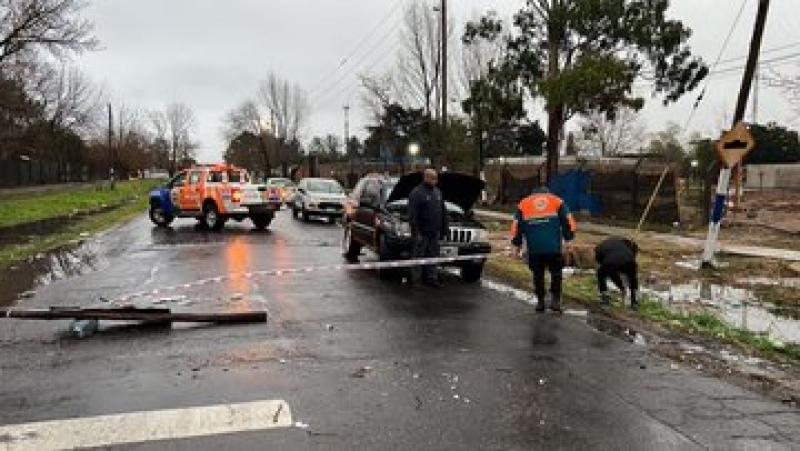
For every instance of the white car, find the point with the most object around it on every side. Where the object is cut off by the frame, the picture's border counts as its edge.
(319, 197)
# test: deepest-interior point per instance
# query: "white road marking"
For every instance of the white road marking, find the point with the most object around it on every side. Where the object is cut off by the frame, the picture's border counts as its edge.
(138, 427)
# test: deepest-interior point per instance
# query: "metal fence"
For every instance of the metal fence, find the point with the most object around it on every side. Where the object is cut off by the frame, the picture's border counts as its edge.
(29, 172)
(609, 189)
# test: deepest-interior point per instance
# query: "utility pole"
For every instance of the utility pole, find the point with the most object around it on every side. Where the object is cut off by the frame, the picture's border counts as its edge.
(444, 77)
(723, 184)
(110, 147)
(756, 87)
(347, 141)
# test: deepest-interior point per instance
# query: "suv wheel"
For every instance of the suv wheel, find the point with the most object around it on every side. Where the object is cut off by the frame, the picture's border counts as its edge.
(472, 272)
(261, 222)
(212, 218)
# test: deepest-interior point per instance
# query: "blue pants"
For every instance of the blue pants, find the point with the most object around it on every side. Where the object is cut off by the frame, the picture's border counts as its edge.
(426, 246)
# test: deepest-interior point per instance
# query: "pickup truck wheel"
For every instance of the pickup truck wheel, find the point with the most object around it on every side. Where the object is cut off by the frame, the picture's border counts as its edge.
(211, 217)
(350, 248)
(472, 273)
(261, 222)
(159, 216)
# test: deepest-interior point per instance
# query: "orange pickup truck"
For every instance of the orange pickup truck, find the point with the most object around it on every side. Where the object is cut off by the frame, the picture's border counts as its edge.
(214, 194)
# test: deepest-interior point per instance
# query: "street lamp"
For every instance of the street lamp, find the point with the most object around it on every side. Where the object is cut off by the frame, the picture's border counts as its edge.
(694, 164)
(412, 151)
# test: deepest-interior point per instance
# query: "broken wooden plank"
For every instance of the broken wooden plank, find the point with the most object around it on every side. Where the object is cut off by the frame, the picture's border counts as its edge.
(135, 314)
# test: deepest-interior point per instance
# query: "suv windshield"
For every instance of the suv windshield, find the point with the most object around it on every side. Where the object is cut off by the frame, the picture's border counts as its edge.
(325, 186)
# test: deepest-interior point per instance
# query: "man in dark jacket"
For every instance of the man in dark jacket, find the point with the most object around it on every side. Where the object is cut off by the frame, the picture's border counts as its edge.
(616, 257)
(427, 217)
(543, 221)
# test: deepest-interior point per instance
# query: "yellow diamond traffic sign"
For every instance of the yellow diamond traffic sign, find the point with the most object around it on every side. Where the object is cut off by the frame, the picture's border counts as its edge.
(735, 144)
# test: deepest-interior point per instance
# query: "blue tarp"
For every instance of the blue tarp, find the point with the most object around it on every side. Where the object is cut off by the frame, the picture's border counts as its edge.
(574, 188)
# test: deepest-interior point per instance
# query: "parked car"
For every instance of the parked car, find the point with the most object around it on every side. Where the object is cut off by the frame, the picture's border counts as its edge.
(377, 219)
(319, 197)
(214, 194)
(286, 187)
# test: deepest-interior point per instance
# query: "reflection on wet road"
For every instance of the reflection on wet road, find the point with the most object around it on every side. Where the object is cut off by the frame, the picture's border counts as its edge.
(363, 362)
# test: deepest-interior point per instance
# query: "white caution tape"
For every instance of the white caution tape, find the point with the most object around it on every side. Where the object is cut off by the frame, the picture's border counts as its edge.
(309, 269)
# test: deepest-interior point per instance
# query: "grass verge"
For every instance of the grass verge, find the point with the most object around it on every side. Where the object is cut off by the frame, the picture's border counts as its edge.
(129, 209)
(71, 202)
(702, 325)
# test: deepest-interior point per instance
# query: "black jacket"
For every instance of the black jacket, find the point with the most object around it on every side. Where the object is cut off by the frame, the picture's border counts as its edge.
(427, 214)
(616, 251)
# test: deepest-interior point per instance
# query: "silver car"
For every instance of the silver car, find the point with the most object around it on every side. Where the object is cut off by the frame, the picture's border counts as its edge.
(319, 197)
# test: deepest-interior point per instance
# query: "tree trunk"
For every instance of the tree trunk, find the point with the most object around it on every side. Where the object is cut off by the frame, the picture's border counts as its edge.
(265, 153)
(555, 122)
(555, 113)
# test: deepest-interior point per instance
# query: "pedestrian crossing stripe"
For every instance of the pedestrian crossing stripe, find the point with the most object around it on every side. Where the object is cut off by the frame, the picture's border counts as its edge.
(140, 427)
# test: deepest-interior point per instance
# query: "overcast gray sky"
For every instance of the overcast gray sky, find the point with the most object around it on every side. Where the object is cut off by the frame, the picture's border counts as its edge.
(211, 55)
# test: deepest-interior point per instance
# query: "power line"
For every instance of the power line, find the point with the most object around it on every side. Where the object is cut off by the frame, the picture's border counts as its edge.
(358, 47)
(331, 91)
(716, 63)
(772, 50)
(775, 61)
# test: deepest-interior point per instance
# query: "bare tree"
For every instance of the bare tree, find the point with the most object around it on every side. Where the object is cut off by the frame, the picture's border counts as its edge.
(476, 59)
(287, 105)
(420, 59)
(288, 109)
(69, 98)
(789, 86)
(379, 91)
(174, 125)
(52, 25)
(605, 137)
(249, 118)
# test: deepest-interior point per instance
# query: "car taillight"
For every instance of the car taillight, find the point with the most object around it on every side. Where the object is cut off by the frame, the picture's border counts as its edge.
(236, 195)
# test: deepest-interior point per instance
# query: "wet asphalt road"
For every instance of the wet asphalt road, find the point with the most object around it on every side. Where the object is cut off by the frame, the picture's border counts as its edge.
(464, 367)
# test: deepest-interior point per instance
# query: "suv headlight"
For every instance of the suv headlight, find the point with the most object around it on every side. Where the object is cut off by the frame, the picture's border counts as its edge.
(401, 229)
(480, 236)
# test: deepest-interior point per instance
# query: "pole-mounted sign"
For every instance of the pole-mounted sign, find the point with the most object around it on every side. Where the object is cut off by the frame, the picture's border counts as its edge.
(732, 148)
(735, 144)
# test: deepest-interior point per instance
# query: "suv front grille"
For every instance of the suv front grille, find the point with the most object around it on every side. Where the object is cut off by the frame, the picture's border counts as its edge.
(457, 235)
(330, 206)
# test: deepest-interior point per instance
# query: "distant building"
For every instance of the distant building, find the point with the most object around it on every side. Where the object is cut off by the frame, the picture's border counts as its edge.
(772, 176)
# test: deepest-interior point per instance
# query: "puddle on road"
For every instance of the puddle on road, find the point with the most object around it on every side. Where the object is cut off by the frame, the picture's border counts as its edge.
(738, 307)
(789, 282)
(17, 280)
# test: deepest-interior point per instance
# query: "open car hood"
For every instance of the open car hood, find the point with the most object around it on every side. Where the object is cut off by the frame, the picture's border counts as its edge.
(460, 189)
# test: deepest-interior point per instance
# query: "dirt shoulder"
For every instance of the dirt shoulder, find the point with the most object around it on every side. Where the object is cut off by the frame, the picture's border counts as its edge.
(690, 330)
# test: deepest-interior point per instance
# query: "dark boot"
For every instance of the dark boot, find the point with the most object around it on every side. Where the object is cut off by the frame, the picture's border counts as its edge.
(634, 301)
(555, 305)
(540, 308)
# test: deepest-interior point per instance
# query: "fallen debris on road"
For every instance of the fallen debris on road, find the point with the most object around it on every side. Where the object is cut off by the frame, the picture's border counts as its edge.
(135, 314)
